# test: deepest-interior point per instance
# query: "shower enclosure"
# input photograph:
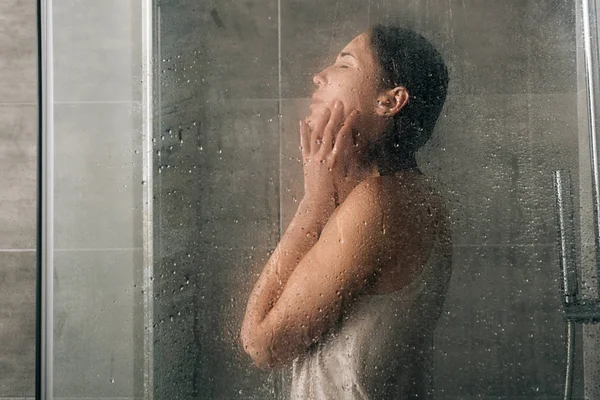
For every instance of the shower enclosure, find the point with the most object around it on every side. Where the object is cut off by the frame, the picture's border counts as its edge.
(170, 166)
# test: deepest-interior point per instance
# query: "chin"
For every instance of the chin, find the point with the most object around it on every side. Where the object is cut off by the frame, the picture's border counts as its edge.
(315, 111)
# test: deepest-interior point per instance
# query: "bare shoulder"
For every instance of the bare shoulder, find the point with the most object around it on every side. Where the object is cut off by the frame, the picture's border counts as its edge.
(412, 211)
(404, 203)
(399, 215)
(398, 194)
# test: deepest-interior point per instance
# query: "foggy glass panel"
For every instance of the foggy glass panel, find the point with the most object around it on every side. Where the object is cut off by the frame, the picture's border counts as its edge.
(232, 81)
(98, 202)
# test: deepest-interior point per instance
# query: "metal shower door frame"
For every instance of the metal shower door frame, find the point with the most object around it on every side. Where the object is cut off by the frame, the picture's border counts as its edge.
(44, 380)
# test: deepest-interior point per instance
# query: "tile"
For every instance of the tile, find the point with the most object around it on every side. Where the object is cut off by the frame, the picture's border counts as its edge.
(506, 398)
(18, 176)
(199, 309)
(312, 33)
(18, 46)
(94, 332)
(586, 261)
(17, 324)
(494, 157)
(98, 176)
(240, 160)
(502, 331)
(96, 56)
(554, 146)
(552, 33)
(591, 340)
(226, 298)
(499, 48)
(220, 186)
(292, 179)
(218, 51)
(502, 48)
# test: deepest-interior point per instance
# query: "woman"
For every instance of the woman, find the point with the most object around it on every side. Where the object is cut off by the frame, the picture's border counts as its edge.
(351, 295)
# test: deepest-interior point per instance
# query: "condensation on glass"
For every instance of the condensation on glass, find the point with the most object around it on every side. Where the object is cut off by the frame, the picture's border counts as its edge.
(183, 178)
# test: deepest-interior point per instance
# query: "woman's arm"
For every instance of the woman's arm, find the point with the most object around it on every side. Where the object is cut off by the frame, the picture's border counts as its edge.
(319, 156)
(301, 235)
(325, 282)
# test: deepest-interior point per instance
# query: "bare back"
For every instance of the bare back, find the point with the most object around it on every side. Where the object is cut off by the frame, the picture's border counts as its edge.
(407, 195)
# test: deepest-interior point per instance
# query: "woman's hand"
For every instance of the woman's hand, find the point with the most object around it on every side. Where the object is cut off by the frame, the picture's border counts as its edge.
(327, 155)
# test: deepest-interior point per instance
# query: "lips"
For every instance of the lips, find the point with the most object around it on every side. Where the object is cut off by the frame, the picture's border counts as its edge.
(316, 101)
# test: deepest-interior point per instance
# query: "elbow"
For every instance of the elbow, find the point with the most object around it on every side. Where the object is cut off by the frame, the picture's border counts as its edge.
(270, 348)
(258, 347)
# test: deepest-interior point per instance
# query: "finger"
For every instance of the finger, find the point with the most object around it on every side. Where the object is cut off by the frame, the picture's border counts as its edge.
(304, 139)
(344, 137)
(317, 133)
(333, 126)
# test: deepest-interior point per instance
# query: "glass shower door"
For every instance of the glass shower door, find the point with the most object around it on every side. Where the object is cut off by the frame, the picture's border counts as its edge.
(233, 80)
(171, 167)
(94, 199)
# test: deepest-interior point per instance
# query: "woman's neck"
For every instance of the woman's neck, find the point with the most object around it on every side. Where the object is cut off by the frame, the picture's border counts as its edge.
(344, 186)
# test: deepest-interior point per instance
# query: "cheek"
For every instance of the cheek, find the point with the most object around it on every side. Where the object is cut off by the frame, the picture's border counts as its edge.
(363, 95)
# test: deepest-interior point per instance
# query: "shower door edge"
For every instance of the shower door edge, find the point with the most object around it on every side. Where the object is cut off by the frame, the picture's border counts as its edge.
(148, 44)
(45, 245)
(590, 57)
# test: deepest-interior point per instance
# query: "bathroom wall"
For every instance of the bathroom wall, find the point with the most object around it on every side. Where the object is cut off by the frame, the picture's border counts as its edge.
(216, 191)
(18, 160)
(98, 203)
(222, 195)
(98, 199)
(228, 180)
(509, 121)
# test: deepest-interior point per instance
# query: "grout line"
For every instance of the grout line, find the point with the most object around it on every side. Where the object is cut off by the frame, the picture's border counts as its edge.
(280, 119)
(506, 245)
(16, 251)
(278, 381)
(98, 102)
(102, 249)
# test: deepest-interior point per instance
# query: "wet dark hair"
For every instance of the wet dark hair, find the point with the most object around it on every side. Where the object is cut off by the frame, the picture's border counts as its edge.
(409, 60)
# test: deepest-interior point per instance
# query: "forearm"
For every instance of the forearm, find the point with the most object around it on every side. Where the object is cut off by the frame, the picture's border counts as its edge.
(301, 235)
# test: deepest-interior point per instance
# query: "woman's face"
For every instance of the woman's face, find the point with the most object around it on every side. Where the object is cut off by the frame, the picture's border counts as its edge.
(352, 79)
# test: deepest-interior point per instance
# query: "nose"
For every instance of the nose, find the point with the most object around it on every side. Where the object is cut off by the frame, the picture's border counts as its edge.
(319, 79)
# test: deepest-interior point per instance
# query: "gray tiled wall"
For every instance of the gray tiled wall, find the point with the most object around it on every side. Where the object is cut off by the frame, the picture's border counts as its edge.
(98, 202)
(510, 120)
(220, 203)
(216, 189)
(98, 199)
(18, 160)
